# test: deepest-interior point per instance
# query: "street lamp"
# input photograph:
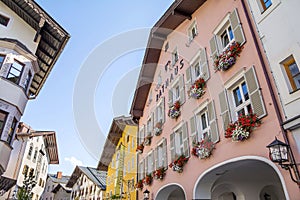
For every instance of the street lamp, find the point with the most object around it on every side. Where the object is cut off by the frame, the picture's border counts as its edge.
(278, 153)
(146, 194)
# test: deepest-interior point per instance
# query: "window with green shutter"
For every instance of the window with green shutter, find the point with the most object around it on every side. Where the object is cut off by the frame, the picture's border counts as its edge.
(242, 97)
(230, 30)
(179, 142)
(177, 91)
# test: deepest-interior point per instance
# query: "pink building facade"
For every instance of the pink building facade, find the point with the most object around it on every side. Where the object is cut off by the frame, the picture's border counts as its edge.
(190, 147)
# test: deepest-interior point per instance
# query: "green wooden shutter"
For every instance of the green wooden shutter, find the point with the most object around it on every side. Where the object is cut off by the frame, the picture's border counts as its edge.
(172, 146)
(181, 88)
(237, 27)
(163, 110)
(255, 93)
(156, 158)
(193, 129)
(204, 64)
(225, 114)
(214, 133)
(213, 47)
(164, 154)
(188, 76)
(185, 138)
(141, 134)
(170, 102)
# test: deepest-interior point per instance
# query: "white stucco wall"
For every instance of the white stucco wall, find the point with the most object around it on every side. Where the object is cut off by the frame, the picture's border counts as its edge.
(17, 29)
(279, 29)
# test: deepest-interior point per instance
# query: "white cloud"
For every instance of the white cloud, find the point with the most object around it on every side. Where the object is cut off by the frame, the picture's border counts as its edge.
(74, 161)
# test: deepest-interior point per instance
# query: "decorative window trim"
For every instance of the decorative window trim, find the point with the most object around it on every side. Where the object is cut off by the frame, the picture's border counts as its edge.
(231, 19)
(190, 31)
(254, 92)
(182, 126)
(287, 74)
(178, 82)
(164, 159)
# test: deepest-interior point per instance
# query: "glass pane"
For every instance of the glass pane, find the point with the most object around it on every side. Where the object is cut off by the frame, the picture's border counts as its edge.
(249, 108)
(241, 112)
(268, 3)
(231, 36)
(297, 81)
(2, 116)
(294, 69)
(14, 71)
(225, 39)
(1, 60)
(177, 92)
(245, 91)
(17, 66)
(197, 70)
(237, 96)
(203, 120)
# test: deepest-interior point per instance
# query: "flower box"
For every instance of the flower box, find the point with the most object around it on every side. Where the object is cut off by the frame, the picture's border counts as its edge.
(174, 111)
(158, 128)
(140, 148)
(242, 128)
(228, 57)
(159, 173)
(139, 185)
(197, 89)
(203, 148)
(148, 179)
(178, 164)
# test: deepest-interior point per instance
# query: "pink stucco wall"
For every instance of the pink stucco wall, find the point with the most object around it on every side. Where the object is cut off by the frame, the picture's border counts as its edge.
(208, 16)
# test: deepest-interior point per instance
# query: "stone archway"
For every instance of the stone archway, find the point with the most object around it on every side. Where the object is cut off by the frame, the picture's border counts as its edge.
(171, 192)
(248, 177)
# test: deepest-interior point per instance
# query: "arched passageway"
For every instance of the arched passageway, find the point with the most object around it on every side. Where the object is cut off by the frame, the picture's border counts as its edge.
(171, 192)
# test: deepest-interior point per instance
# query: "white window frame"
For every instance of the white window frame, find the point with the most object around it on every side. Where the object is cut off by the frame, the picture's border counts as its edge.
(141, 134)
(244, 104)
(221, 28)
(192, 27)
(195, 61)
(161, 156)
(160, 111)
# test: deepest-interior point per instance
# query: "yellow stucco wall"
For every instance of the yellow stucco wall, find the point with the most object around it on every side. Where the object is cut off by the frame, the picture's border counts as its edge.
(127, 143)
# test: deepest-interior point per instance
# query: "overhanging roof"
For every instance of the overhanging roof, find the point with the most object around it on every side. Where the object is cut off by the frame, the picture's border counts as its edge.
(53, 38)
(96, 176)
(50, 143)
(179, 11)
(115, 133)
(6, 183)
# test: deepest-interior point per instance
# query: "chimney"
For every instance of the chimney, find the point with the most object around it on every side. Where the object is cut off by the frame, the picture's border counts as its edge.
(59, 175)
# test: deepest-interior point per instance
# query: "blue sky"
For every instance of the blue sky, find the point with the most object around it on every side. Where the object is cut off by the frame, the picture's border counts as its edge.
(90, 24)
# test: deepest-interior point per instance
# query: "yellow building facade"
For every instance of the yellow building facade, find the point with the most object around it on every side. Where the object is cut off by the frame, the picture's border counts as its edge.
(119, 158)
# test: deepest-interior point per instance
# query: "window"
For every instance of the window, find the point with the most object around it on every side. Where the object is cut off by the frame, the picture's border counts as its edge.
(35, 154)
(265, 4)
(227, 36)
(141, 134)
(149, 163)
(150, 125)
(293, 73)
(30, 151)
(242, 96)
(241, 100)
(141, 169)
(4, 20)
(175, 56)
(25, 170)
(3, 116)
(31, 172)
(159, 115)
(15, 71)
(198, 67)
(228, 30)
(192, 31)
(179, 142)
(176, 91)
(2, 57)
(11, 131)
(27, 80)
(160, 154)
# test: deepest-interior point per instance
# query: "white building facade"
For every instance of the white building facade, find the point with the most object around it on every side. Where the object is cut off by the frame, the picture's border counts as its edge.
(32, 153)
(87, 183)
(30, 43)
